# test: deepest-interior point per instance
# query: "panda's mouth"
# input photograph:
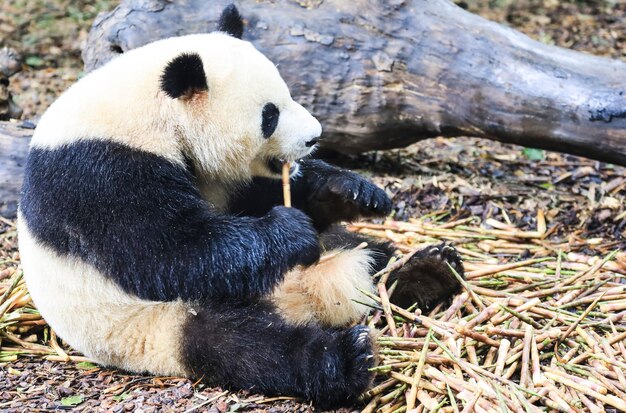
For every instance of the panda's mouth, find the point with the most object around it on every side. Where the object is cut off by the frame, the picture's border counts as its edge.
(275, 165)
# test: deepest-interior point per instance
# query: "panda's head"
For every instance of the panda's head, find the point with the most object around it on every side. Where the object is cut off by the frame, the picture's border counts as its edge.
(231, 109)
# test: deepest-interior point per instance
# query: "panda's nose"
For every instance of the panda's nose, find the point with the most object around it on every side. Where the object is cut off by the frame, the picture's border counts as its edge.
(312, 142)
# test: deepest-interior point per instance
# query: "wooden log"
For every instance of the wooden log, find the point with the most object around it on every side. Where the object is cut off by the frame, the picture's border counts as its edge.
(384, 74)
(14, 141)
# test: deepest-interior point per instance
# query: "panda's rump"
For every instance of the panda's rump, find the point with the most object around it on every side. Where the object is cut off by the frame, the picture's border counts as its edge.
(96, 317)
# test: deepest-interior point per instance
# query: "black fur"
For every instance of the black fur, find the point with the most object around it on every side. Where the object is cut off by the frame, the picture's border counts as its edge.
(140, 220)
(269, 120)
(426, 279)
(326, 193)
(246, 345)
(231, 22)
(183, 76)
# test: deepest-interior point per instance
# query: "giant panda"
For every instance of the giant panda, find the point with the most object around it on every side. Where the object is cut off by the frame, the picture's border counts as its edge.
(152, 237)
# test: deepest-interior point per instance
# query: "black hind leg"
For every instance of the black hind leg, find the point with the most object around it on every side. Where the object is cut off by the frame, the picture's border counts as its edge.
(248, 346)
(426, 278)
(339, 237)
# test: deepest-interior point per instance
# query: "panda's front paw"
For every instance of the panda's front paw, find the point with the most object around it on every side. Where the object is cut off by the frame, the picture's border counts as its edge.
(444, 253)
(361, 195)
(345, 196)
(335, 195)
(298, 241)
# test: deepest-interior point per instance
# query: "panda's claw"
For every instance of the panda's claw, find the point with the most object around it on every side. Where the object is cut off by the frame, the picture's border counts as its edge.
(363, 336)
(445, 252)
(358, 358)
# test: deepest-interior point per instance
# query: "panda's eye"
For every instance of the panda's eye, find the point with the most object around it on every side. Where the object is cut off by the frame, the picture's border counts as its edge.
(270, 119)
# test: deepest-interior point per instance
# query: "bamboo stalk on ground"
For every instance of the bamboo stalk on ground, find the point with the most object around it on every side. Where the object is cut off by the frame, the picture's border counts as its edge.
(524, 335)
(525, 328)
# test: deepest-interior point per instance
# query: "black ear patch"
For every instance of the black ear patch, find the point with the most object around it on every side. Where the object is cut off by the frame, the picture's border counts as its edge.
(269, 119)
(183, 76)
(231, 22)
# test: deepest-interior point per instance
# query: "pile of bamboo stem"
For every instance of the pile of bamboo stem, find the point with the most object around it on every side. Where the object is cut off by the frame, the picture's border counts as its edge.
(525, 335)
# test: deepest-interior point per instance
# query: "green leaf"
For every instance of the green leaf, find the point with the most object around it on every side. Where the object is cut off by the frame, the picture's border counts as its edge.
(534, 154)
(121, 397)
(35, 61)
(85, 365)
(72, 400)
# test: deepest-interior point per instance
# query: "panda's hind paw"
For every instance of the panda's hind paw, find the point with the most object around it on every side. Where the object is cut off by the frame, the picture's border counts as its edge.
(428, 277)
(356, 358)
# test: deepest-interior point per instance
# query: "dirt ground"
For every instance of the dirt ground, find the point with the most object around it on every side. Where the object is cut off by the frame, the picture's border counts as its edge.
(582, 199)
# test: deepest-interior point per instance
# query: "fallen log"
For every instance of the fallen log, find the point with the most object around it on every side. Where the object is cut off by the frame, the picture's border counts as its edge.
(384, 74)
(14, 141)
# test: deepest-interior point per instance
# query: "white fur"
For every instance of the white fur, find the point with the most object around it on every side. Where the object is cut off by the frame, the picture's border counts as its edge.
(328, 292)
(97, 317)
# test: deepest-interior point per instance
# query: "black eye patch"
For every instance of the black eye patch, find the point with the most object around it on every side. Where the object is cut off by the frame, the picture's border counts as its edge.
(270, 119)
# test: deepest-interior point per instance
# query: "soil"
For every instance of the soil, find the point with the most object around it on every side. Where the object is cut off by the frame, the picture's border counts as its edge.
(464, 177)
(49, 35)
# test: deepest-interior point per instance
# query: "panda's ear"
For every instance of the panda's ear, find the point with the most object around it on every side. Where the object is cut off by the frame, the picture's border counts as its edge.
(184, 76)
(231, 22)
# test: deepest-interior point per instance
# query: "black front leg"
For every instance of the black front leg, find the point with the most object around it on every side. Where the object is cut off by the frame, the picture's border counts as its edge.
(324, 192)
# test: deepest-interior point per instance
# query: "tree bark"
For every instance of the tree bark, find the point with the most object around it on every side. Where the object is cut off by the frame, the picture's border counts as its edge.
(384, 74)
(14, 143)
